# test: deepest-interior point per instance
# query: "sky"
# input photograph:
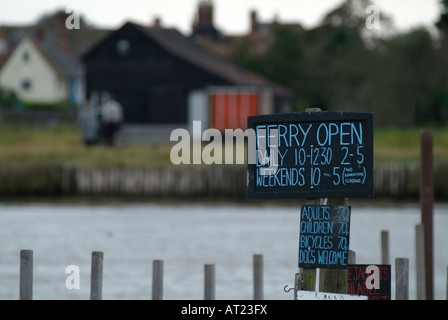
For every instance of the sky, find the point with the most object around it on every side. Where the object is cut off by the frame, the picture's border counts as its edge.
(230, 16)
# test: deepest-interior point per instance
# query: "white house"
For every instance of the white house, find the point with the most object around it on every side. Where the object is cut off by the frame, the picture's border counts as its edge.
(42, 75)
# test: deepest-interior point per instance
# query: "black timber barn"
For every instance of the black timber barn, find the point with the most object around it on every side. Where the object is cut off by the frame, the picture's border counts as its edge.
(152, 70)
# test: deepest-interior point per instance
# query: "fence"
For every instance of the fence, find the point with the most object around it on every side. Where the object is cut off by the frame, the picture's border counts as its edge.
(147, 135)
(96, 277)
(217, 180)
(26, 277)
(50, 179)
(39, 118)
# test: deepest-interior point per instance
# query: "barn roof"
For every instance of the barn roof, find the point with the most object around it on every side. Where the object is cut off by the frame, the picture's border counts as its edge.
(184, 48)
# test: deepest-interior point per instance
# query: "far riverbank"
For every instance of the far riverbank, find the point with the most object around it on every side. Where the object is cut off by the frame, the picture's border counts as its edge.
(55, 180)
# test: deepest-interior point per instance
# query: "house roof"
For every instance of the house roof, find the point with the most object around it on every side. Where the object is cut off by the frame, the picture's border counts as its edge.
(48, 41)
(63, 63)
(3, 59)
(78, 40)
(184, 48)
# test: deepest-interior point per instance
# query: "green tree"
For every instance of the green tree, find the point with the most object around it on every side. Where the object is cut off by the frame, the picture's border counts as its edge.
(279, 62)
(337, 62)
(442, 23)
(340, 66)
(408, 69)
(440, 98)
(282, 59)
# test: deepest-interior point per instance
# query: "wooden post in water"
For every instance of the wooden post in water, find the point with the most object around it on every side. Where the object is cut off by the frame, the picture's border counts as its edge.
(258, 276)
(427, 202)
(209, 282)
(157, 280)
(384, 247)
(96, 276)
(305, 279)
(26, 275)
(334, 280)
(420, 261)
(351, 257)
(401, 279)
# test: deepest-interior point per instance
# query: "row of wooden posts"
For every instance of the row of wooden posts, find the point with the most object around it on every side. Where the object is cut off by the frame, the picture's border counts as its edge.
(305, 279)
(96, 277)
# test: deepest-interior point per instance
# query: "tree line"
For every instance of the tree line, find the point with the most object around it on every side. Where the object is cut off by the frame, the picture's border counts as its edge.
(341, 65)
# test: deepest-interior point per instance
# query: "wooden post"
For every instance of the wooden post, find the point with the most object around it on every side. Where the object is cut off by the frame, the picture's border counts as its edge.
(331, 280)
(26, 275)
(401, 279)
(420, 261)
(334, 280)
(209, 282)
(384, 247)
(305, 279)
(427, 202)
(96, 276)
(351, 257)
(157, 280)
(258, 276)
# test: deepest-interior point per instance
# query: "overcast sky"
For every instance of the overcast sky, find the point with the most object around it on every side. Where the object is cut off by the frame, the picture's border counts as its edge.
(230, 16)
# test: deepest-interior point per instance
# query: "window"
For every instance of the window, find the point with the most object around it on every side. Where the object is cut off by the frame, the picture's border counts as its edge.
(26, 56)
(26, 84)
(123, 47)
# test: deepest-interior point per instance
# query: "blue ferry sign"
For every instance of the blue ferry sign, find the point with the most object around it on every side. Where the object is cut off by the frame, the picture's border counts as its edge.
(311, 155)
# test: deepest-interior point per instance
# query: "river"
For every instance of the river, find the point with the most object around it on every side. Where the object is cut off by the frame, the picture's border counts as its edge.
(186, 236)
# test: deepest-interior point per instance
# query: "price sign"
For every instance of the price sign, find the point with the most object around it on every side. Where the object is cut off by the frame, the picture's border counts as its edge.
(311, 155)
(324, 236)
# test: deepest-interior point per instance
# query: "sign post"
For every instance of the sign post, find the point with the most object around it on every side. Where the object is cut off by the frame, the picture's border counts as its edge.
(325, 156)
(334, 280)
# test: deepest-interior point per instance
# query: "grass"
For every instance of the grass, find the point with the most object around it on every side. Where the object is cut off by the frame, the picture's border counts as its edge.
(396, 145)
(20, 144)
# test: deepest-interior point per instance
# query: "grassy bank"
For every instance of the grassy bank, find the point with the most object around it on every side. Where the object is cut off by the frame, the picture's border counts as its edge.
(23, 144)
(394, 145)
(32, 163)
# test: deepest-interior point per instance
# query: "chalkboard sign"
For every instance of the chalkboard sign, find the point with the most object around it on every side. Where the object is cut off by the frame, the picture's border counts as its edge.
(369, 280)
(324, 234)
(311, 155)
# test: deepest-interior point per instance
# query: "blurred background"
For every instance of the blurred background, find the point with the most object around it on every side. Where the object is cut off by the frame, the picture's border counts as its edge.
(218, 63)
(168, 63)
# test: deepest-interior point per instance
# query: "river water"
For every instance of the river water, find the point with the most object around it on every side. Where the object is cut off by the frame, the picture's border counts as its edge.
(187, 236)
